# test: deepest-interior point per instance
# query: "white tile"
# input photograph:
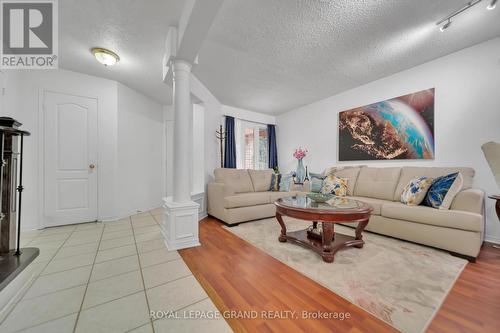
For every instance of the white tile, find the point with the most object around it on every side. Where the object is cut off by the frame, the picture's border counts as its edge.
(123, 221)
(148, 236)
(186, 324)
(117, 242)
(114, 267)
(53, 282)
(61, 325)
(143, 222)
(146, 229)
(112, 288)
(162, 273)
(69, 263)
(46, 254)
(116, 234)
(49, 243)
(117, 227)
(53, 237)
(70, 251)
(155, 244)
(116, 316)
(72, 241)
(115, 253)
(143, 329)
(90, 226)
(157, 257)
(38, 310)
(157, 211)
(175, 295)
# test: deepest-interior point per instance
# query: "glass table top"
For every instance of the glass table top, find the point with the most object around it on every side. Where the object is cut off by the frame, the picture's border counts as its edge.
(334, 204)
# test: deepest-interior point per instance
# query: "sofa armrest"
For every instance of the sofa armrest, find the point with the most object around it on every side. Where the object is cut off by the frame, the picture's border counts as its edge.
(216, 194)
(470, 200)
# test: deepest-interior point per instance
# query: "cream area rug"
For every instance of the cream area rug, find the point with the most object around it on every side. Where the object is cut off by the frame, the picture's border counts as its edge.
(401, 283)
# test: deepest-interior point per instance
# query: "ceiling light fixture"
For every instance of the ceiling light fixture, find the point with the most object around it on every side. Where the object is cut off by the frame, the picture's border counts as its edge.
(448, 18)
(105, 56)
(492, 5)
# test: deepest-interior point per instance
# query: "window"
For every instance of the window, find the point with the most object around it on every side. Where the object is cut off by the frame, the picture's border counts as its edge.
(251, 145)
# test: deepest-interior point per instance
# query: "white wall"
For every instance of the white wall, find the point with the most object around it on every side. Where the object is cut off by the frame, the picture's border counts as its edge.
(120, 157)
(140, 173)
(248, 115)
(467, 114)
(24, 92)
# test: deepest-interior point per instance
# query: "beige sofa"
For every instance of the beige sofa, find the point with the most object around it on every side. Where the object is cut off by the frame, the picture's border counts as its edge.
(240, 195)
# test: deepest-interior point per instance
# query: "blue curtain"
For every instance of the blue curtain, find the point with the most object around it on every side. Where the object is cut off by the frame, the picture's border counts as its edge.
(230, 144)
(272, 149)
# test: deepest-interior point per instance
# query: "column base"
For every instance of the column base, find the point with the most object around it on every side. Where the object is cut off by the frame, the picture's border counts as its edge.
(180, 224)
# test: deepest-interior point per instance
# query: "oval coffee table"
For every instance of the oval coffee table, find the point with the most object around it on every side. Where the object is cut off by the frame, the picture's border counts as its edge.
(336, 210)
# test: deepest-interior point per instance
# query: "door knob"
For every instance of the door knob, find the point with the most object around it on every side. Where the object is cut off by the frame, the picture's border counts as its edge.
(91, 166)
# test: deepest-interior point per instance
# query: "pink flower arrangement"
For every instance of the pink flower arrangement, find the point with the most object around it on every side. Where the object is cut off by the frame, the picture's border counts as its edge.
(300, 153)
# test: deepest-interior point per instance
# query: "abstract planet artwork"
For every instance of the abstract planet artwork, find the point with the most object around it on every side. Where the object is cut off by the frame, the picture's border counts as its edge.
(398, 128)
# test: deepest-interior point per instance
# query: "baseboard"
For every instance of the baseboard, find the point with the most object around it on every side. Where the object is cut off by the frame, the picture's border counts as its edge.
(492, 239)
(202, 215)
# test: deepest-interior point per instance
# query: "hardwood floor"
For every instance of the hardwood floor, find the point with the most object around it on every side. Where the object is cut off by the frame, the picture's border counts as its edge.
(240, 277)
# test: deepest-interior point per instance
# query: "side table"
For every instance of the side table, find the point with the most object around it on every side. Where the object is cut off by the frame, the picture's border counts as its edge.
(497, 208)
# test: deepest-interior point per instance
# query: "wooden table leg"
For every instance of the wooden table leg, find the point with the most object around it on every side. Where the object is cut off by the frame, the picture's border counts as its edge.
(327, 237)
(359, 233)
(282, 237)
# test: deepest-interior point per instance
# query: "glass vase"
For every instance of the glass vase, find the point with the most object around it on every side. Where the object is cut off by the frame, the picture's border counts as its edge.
(300, 173)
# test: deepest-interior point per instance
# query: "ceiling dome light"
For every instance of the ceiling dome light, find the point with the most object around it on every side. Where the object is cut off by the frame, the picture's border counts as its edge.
(492, 5)
(105, 56)
(445, 26)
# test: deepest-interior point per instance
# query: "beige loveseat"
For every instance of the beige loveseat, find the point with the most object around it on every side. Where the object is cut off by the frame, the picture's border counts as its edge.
(242, 195)
(460, 230)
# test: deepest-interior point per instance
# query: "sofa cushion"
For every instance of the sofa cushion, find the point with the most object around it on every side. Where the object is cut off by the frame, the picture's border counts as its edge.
(408, 173)
(375, 203)
(426, 215)
(378, 183)
(238, 179)
(351, 174)
(261, 179)
(247, 199)
(278, 195)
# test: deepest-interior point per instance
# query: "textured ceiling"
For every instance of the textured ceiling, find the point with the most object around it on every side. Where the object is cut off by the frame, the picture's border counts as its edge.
(275, 55)
(135, 29)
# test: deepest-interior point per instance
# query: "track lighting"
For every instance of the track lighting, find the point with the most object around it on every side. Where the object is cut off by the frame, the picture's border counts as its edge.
(445, 26)
(492, 5)
(448, 18)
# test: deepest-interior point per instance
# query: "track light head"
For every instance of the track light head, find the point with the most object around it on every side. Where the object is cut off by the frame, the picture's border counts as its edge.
(445, 26)
(492, 5)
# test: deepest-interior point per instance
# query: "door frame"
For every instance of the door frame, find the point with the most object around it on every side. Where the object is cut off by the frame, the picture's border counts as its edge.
(41, 151)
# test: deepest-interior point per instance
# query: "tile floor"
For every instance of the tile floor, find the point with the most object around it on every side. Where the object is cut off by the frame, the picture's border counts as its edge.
(106, 277)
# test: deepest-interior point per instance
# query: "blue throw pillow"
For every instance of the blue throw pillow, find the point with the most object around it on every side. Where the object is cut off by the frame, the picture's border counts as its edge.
(316, 182)
(438, 190)
(286, 182)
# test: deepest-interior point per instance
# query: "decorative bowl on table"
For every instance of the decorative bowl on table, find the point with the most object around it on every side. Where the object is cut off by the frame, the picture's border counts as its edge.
(319, 197)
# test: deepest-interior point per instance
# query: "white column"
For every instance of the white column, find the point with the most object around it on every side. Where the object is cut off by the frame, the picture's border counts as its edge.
(180, 223)
(183, 131)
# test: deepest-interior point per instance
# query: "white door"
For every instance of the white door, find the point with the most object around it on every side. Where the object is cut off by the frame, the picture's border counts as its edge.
(70, 159)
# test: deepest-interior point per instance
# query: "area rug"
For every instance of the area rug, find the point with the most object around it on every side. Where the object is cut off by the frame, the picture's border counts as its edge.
(401, 283)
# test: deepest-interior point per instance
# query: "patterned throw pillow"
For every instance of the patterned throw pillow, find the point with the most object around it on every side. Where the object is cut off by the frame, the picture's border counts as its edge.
(443, 190)
(286, 182)
(414, 193)
(316, 182)
(275, 182)
(334, 185)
